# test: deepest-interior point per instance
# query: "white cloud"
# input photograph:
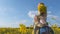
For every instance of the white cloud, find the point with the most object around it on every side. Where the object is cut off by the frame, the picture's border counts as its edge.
(52, 16)
(49, 15)
(32, 13)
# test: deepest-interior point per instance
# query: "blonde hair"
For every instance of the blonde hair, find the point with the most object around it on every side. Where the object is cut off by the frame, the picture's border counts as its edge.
(41, 8)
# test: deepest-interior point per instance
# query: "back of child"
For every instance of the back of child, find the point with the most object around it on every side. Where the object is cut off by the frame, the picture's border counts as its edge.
(40, 21)
(42, 14)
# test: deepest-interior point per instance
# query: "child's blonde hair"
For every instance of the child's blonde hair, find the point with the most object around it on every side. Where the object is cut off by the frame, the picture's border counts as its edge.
(41, 8)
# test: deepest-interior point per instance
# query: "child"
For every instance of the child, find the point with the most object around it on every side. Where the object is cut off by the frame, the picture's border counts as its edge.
(42, 14)
(42, 10)
(40, 19)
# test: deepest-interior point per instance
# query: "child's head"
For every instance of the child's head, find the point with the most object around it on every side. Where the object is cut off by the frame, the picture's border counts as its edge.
(41, 8)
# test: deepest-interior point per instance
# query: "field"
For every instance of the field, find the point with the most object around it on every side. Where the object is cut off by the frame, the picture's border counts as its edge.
(28, 30)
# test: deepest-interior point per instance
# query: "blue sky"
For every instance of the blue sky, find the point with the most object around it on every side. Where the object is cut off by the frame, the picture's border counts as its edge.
(15, 12)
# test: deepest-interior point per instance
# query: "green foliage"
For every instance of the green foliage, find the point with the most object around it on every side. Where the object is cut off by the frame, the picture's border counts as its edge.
(25, 30)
